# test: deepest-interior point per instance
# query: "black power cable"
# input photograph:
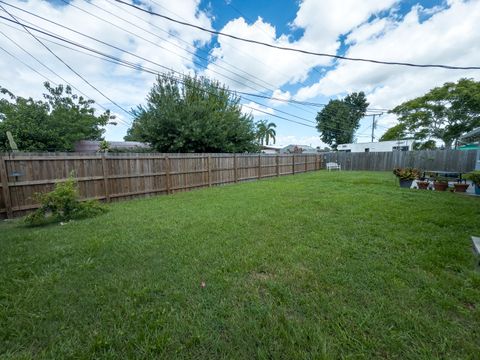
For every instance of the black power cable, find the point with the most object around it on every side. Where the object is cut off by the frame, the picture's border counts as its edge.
(63, 62)
(214, 32)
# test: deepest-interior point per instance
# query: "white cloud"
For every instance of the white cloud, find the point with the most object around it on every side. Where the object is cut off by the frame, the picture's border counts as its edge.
(257, 110)
(450, 36)
(281, 95)
(366, 31)
(126, 86)
(322, 21)
(370, 29)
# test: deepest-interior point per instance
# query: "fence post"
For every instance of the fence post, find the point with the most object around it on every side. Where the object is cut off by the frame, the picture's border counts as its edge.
(209, 175)
(306, 157)
(277, 165)
(235, 170)
(293, 164)
(259, 166)
(105, 178)
(5, 189)
(317, 162)
(167, 174)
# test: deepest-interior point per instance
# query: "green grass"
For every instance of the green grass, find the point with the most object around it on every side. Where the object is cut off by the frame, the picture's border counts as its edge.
(320, 265)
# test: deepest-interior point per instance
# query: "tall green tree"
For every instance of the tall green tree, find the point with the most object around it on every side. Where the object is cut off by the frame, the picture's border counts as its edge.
(399, 131)
(444, 113)
(193, 114)
(394, 133)
(339, 119)
(52, 124)
(266, 131)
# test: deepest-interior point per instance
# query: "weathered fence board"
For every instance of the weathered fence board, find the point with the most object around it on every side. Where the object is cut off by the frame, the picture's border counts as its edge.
(113, 177)
(445, 160)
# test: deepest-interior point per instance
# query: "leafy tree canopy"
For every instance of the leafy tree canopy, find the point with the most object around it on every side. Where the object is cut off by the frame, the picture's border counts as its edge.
(444, 113)
(394, 133)
(339, 119)
(52, 124)
(193, 114)
(426, 145)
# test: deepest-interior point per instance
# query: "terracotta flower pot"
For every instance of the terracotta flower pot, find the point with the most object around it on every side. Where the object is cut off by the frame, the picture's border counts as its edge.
(460, 187)
(440, 186)
(423, 185)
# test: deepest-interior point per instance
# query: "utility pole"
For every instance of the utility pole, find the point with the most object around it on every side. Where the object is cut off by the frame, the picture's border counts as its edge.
(374, 124)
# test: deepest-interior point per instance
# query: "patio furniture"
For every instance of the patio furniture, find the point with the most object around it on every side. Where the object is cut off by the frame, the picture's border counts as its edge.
(333, 166)
(450, 175)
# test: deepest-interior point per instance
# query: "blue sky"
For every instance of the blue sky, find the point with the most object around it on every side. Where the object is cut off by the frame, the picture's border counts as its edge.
(411, 31)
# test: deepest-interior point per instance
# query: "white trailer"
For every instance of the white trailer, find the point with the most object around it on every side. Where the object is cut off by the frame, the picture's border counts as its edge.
(382, 146)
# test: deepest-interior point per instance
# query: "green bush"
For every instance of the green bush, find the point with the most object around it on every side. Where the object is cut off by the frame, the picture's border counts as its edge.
(473, 176)
(406, 173)
(62, 204)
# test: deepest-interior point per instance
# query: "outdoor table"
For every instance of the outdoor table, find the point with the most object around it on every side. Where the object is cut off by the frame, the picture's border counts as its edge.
(457, 175)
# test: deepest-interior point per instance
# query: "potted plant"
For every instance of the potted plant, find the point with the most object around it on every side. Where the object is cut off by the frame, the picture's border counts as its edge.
(460, 187)
(440, 184)
(474, 177)
(406, 176)
(423, 184)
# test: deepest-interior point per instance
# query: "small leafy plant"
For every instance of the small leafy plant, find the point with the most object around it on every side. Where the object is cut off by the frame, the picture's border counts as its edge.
(473, 176)
(441, 180)
(104, 146)
(62, 204)
(406, 173)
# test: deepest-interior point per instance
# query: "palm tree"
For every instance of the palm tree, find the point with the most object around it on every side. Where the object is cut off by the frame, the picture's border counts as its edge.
(266, 131)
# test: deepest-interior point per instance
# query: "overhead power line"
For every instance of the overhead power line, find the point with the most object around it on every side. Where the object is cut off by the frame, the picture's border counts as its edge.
(334, 56)
(229, 3)
(118, 61)
(193, 53)
(291, 101)
(65, 63)
(221, 59)
(138, 67)
(25, 64)
(179, 38)
(46, 67)
(141, 68)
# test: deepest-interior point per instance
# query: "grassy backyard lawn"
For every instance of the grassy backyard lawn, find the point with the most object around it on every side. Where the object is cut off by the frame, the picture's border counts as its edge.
(320, 265)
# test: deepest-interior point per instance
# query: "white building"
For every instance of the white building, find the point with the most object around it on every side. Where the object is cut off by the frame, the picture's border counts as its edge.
(269, 150)
(382, 146)
(298, 149)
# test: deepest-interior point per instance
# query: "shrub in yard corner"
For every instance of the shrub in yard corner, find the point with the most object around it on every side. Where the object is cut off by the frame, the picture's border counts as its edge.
(62, 204)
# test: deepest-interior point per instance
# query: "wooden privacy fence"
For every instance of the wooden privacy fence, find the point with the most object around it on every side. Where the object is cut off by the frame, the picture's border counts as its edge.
(445, 160)
(120, 176)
